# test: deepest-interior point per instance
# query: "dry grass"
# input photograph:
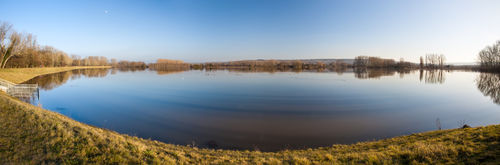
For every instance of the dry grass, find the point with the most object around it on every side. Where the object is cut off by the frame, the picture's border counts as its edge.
(19, 75)
(32, 135)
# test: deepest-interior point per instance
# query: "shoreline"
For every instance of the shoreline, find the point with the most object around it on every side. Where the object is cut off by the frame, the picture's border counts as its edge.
(20, 75)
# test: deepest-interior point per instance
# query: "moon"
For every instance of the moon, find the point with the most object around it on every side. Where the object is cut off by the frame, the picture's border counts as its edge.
(105, 12)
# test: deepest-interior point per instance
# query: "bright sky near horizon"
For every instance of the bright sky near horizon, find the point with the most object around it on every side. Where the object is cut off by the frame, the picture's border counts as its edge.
(221, 30)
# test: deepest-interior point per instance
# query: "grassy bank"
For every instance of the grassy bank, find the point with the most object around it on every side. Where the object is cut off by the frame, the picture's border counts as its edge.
(32, 135)
(19, 75)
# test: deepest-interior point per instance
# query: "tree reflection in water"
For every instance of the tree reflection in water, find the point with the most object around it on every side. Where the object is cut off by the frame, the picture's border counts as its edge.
(433, 76)
(51, 81)
(489, 85)
(169, 70)
(363, 73)
(271, 70)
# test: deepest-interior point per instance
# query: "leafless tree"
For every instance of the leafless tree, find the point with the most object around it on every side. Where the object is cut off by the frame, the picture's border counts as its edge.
(463, 124)
(22, 50)
(431, 60)
(361, 61)
(441, 60)
(434, 60)
(421, 62)
(489, 57)
(438, 123)
(8, 48)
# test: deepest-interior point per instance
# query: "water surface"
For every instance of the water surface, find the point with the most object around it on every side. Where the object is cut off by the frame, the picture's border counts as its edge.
(271, 111)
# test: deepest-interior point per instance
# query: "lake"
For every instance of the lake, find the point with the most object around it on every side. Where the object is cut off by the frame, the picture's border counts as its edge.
(271, 111)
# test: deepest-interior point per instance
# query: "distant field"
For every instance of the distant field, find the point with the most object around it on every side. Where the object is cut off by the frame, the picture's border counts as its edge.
(19, 75)
(32, 135)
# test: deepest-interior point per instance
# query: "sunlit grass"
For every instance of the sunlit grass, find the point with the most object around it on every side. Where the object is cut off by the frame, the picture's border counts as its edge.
(19, 75)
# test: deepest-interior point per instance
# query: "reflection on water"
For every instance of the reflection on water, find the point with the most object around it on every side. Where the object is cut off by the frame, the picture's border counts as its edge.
(51, 81)
(25, 92)
(364, 73)
(338, 70)
(165, 72)
(489, 85)
(128, 69)
(269, 109)
(170, 70)
(433, 76)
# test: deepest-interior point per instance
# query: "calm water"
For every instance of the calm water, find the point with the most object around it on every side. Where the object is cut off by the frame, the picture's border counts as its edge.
(271, 111)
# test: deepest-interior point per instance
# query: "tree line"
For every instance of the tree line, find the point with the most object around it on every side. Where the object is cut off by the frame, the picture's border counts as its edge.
(128, 64)
(169, 65)
(433, 61)
(489, 58)
(377, 62)
(271, 65)
(21, 50)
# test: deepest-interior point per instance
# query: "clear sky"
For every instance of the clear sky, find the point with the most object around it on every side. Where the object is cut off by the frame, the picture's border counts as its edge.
(220, 30)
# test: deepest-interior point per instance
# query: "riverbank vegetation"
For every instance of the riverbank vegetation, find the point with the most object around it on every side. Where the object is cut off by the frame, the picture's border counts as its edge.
(377, 62)
(166, 65)
(433, 61)
(277, 65)
(489, 58)
(128, 64)
(21, 50)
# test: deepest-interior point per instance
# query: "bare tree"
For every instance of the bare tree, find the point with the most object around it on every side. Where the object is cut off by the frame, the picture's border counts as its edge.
(441, 60)
(438, 123)
(76, 60)
(361, 61)
(297, 64)
(463, 124)
(10, 48)
(22, 50)
(421, 62)
(489, 57)
(434, 60)
(114, 62)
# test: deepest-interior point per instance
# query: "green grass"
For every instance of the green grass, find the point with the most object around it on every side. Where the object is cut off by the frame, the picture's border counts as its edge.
(19, 75)
(32, 135)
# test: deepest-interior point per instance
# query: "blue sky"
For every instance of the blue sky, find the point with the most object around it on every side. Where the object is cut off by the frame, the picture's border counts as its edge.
(220, 30)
